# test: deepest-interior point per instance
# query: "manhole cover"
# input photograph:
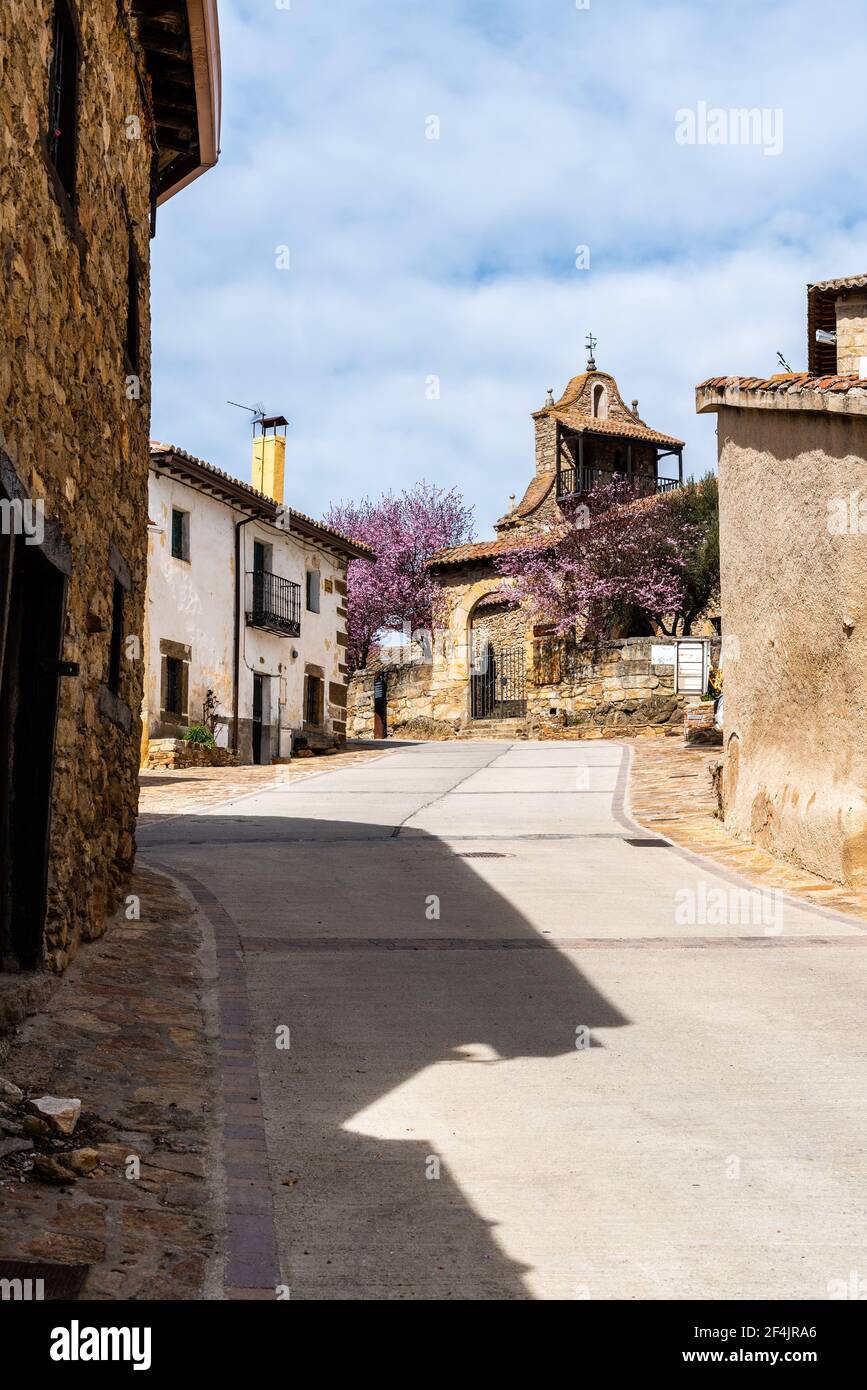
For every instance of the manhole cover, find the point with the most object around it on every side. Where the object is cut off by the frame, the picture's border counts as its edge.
(483, 854)
(32, 1281)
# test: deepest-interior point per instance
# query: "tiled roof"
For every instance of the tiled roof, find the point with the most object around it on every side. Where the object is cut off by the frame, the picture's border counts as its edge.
(847, 282)
(567, 412)
(623, 429)
(786, 390)
(537, 491)
(161, 452)
(786, 382)
(484, 550)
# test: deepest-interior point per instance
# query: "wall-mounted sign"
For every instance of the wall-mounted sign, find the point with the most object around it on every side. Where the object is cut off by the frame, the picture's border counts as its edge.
(662, 656)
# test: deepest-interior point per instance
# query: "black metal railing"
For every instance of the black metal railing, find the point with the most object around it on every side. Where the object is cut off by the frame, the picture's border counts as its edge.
(574, 482)
(273, 603)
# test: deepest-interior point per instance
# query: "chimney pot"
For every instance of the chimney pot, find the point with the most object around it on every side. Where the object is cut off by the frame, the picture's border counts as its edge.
(269, 456)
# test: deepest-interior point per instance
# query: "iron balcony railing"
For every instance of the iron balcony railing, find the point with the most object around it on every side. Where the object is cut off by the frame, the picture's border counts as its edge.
(573, 482)
(273, 603)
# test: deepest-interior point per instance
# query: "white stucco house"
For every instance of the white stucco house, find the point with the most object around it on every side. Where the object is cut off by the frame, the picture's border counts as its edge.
(245, 623)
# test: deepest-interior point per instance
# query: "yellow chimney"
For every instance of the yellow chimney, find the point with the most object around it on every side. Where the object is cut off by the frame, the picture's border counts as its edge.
(269, 456)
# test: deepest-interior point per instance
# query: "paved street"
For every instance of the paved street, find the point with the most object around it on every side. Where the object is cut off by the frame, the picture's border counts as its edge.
(437, 929)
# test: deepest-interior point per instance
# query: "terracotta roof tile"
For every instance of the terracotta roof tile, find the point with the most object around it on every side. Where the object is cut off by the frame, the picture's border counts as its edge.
(486, 550)
(624, 429)
(842, 395)
(784, 383)
(537, 491)
(846, 282)
(159, 450)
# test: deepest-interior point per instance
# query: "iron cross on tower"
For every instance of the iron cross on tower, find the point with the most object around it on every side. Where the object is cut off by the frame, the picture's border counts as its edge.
(590, 344)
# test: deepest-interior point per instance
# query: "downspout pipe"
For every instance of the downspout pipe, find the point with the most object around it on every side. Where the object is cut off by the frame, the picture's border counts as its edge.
(236, 675)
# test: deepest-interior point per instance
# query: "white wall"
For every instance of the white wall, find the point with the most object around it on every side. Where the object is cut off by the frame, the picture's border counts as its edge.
(192, 603)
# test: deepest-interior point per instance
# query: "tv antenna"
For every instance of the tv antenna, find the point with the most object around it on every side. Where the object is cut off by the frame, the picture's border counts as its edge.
(257, 411)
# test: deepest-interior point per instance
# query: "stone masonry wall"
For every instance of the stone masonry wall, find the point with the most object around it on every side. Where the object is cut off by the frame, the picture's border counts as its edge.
(614, 687)
(74, 437)
(497, 624)
(573, 691)
(851, 316)
(181, 753)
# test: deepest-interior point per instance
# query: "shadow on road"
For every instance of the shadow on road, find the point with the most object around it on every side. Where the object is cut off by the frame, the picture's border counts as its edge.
(334, 922)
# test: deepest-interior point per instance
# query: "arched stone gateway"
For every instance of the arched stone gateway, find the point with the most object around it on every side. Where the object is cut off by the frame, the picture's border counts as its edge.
(487, 661)
(496, 642)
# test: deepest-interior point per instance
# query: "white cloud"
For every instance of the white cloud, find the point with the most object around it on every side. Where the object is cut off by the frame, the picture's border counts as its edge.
(455, 257)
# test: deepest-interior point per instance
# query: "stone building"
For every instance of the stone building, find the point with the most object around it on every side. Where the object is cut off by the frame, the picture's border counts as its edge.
(246, 618)
(793, 551)
(107, 109)
(486, 661)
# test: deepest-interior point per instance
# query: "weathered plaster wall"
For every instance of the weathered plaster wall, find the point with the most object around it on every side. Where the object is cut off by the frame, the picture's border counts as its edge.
(795, 619)
(74, 438)
(192, 603)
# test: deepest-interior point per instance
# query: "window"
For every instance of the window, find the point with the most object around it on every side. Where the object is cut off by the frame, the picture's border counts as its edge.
(131, 339)
(312, 591)
(63, 98)
(180, 534)
(600, 402)
(175, 662)
(263, 557)
(114, 650)
(173, 695)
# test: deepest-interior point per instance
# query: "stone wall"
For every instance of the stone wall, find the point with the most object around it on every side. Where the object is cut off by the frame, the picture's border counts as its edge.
(851, 317)
(180, 752)
(413, 708)
(497, 625)
(573, 691)
(614, 686)
(73, 427)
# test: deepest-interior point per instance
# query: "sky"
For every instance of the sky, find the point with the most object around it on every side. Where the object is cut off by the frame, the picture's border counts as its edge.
(389, 250)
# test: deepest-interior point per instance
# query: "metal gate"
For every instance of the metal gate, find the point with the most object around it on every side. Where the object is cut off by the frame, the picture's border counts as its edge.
(497, 684)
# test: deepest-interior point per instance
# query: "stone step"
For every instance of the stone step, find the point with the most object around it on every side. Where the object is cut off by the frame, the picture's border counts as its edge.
(494, 728)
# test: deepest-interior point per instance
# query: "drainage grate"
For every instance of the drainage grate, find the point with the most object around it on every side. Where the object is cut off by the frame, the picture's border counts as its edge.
(483, 854)
(648, 843)
(20, 1280)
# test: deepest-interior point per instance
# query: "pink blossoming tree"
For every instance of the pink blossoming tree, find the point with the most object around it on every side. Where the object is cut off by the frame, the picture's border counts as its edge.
(396, 591)
(612, 556)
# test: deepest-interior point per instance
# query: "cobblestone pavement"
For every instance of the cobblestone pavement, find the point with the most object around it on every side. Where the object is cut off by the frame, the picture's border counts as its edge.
(670, 792)
(125, 1032)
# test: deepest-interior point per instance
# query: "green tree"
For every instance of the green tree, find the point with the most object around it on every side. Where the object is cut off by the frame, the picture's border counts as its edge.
(696, 504)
